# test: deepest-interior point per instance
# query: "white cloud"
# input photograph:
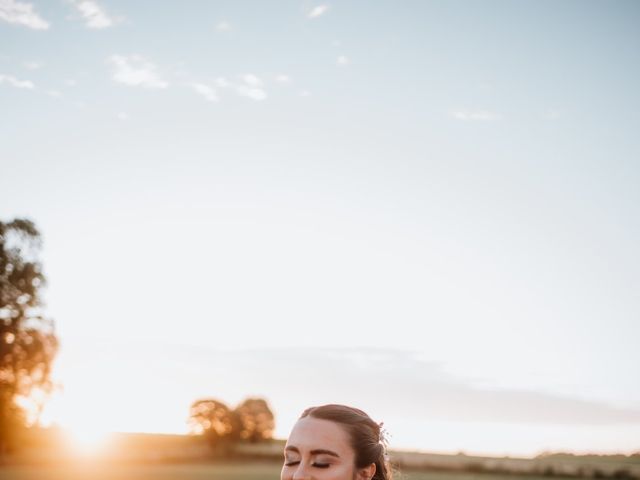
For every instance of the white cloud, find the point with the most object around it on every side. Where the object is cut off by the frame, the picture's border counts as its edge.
(475, 115)
(318, 11)
(136, 71)
(22, 14)
(94, 14)
(251, 80)
(246, 85)
(54, 93)
(304, 93)
(71, 82)
(32, 65)
(123, 116)
(206, 91)
(14, 82)
(283, 79)
(343, 61)
(222, 82)
(252, 87)
(253, 93)
(223, 26)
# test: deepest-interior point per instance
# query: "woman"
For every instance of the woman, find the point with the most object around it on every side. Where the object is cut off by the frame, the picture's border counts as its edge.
(335, 442)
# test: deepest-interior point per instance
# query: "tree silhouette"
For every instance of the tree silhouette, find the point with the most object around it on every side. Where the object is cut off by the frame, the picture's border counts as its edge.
(28, 344)
(256, 419)
(215, 421)
(223, 428)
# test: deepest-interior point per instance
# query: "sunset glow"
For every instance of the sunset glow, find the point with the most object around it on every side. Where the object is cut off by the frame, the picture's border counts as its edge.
(88, 441)
(424, 209)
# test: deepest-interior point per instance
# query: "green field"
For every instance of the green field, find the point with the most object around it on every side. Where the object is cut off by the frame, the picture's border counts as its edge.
(197, 471)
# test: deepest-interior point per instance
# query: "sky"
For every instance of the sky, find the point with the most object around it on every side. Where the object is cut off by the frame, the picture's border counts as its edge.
(429, 210)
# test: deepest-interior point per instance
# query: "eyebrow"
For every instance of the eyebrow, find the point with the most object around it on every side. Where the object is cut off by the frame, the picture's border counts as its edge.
(317, 451)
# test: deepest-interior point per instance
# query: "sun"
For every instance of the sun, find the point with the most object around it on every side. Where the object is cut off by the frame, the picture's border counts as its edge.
(88, 441)
(84, 433)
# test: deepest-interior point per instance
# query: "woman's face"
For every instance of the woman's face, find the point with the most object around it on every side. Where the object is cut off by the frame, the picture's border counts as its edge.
(320, 450)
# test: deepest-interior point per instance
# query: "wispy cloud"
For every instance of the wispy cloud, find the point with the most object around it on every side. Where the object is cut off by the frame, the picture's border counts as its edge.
(206, 91)
(21, 14)
(251, 88)
(123, 116)
(343, 61)
(253, 93)
(357, 373)
(475, 115)
(247, 85)
(136, 71)
(318, 11)
(32, 65)
(441, 394)
(252, 80)
(283, 79)
(14, 82)
(94, 14)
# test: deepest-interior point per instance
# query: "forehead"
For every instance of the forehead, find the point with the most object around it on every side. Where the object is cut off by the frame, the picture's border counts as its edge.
(314, 433)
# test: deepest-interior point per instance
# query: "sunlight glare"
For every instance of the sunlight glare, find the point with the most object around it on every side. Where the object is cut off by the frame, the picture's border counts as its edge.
(88, 440)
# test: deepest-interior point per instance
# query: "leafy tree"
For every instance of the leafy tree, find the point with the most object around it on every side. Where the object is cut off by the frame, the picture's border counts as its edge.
(256, 419)
(28, 344)
(215, 421)
(223, 428)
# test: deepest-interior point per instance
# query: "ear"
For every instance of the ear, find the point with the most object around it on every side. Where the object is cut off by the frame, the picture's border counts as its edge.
(367, 472)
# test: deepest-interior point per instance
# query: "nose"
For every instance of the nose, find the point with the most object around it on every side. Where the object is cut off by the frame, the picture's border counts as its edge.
(302, 472)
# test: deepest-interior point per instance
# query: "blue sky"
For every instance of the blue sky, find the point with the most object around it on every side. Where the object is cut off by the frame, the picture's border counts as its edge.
(445, 188)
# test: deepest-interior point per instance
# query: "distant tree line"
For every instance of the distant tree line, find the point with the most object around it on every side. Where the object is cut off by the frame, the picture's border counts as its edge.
(607, 456)
(223, 428)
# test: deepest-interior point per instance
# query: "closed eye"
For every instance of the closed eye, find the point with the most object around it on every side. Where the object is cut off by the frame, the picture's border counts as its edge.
(316, 464)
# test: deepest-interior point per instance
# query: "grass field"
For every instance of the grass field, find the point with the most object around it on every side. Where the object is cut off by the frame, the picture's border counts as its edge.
(131, 456)
(198, 471)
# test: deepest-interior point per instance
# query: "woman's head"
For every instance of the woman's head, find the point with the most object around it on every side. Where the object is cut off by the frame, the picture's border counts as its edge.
(335, 442)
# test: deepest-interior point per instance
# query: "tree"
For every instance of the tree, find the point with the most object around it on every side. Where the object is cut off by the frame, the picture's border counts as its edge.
(256, 419)
(215, 421)
(223, 428)
(28, 344)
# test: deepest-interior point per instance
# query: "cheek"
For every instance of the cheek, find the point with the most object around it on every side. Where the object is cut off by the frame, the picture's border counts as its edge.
(335, 472)
(341, 472)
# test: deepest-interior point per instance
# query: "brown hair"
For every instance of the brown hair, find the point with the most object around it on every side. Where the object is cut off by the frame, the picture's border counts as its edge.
(367, 439)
